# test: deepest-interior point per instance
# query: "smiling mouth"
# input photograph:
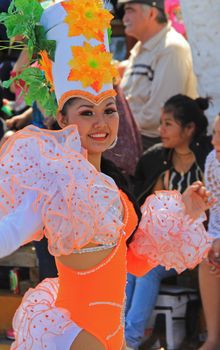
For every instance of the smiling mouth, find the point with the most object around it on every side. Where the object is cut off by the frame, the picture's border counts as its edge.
(99, 136)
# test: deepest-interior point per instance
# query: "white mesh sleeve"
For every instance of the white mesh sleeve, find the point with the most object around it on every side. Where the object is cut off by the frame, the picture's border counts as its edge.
(19, 226)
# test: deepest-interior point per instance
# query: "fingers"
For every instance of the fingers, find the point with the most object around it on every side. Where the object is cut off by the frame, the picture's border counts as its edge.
(200, 189)
(214, 259)
(196, 185)
(214, 270)
(205, 195)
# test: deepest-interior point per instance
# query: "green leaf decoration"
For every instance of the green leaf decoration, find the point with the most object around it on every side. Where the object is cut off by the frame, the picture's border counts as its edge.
(43, 44)
(11, 7)
(36, 89)
(30, 8)
(7, 83)
(23, 18)
(109, 31)
(30, 49)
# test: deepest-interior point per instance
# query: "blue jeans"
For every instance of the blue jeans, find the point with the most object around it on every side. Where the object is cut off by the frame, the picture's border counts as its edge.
(142, 295)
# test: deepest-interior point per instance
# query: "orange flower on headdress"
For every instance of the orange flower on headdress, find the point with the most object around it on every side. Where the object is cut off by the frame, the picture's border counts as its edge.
(46, 66)
(92, 66)
(88, 18)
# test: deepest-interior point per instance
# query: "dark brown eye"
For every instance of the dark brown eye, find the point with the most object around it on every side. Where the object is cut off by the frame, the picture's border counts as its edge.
(87, 113)
(110, 111)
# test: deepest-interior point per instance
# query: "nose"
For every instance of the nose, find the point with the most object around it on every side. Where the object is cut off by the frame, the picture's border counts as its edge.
(124, 17)
(99, 121)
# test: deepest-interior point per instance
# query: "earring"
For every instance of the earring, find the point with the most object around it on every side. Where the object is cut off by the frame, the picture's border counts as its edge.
(113, 143)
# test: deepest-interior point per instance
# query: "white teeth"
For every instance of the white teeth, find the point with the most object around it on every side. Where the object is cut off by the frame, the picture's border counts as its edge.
(98, 135)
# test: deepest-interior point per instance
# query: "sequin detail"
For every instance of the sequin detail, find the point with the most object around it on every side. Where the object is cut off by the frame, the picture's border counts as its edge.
(95, 249)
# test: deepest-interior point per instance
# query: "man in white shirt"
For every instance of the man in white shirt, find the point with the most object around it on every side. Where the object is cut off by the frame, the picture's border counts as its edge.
(159, 66)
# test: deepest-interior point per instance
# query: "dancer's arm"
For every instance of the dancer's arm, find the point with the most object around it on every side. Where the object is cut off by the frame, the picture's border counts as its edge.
(19, 226)
(171, 232)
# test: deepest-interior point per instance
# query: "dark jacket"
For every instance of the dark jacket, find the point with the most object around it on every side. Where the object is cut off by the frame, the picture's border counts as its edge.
(157, 160)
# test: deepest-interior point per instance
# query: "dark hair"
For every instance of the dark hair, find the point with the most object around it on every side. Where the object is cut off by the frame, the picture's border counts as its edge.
(161, 17)
(67, 104)
(187, 110)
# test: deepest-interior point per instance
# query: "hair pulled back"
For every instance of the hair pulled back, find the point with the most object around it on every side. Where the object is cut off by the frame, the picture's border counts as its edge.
(186, 110)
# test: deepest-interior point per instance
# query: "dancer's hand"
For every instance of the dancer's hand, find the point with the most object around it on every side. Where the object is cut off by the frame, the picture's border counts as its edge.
(197, 199)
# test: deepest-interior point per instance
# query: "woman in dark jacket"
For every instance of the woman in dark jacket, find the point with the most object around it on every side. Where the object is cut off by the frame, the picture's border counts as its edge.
(174, 164)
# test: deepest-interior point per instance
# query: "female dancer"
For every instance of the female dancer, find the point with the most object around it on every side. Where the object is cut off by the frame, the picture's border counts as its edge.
(51, 182)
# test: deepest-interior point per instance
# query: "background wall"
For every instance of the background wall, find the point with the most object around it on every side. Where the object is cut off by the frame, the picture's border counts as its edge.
(202, 21)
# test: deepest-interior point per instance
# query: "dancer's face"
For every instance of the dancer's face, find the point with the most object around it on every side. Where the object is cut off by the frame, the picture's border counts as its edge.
(216, 137)
(97, 124)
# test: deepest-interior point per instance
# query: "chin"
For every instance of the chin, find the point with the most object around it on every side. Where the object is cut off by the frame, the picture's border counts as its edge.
(166, 145)
(97, 149)
(129, 32)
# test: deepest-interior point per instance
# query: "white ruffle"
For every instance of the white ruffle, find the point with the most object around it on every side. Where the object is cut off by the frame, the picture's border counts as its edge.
(38, 323)
(79, 204)
(167, 236)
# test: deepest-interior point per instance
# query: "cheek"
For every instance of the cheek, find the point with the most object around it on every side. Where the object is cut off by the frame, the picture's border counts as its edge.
(83, 129)
(216, 140)
(115, 126)
(178, 133)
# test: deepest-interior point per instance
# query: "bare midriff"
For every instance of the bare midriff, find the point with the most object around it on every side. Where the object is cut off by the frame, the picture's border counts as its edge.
(85, 261)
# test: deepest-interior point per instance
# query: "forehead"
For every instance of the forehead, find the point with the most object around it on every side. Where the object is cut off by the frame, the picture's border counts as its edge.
(132, 6)
(167, 115)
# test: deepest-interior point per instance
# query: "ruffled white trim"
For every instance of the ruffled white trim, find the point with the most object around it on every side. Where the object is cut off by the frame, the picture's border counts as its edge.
(167, 236)
(79, 204)
(38, 322)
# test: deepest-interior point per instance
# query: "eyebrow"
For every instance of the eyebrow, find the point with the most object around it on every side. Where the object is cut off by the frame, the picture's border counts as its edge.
(92, 106)
(87, 106)
(168, 118)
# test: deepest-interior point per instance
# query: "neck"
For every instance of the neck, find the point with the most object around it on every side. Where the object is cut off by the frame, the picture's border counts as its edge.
(183, 150)
(95, 160)
(183, 153)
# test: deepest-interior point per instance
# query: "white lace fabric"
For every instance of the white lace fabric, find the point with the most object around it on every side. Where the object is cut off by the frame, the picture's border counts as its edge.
(212, 181)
